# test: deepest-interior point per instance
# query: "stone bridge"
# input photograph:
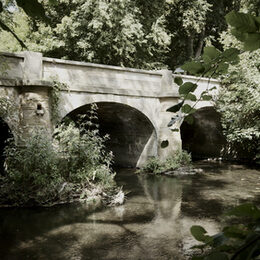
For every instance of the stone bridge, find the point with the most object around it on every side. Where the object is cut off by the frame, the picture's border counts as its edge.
(131, 103)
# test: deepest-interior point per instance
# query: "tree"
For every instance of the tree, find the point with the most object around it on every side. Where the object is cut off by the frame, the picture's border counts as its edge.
(32, 8)
(137, 33)
(193, 25)
(108, 32)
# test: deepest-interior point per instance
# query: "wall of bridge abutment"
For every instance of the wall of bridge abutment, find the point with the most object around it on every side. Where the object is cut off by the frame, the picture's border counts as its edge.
(147, 93)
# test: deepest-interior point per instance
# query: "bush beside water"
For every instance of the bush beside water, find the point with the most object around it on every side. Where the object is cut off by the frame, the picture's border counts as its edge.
(156, 166)
(73, 166)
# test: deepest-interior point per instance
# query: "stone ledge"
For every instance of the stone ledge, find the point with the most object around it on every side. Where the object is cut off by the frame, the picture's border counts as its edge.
(19, 82)
(102, 66)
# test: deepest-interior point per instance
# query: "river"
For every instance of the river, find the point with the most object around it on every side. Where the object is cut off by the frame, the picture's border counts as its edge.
(153, 223)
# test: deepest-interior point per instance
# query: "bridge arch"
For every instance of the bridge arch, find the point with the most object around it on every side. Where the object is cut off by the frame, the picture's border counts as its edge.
(204, 138)
(133, 137)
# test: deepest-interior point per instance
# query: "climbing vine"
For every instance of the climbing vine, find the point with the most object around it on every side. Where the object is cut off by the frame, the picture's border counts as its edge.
(55, 95)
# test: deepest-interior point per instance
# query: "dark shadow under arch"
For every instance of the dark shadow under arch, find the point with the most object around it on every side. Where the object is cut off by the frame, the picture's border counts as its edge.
(129, 130)
(4, 136)
(204, 138)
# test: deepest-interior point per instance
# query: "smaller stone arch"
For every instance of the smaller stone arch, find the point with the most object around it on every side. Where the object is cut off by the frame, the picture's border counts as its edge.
(133, 137)
(204, 138)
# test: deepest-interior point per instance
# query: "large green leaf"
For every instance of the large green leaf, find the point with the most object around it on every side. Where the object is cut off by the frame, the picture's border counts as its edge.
(245, 210)
(206, 97)
(187, 87)
(210, 53)
(176, 107)
(193, 67)
(242, 22)
(198, 233)
(222, 68)
(191, 97)
(252, 42)
(230, 55)
(178, 81)
(187, 109)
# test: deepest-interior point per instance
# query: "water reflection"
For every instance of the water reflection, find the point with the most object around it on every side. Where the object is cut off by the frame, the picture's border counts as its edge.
(153, 223)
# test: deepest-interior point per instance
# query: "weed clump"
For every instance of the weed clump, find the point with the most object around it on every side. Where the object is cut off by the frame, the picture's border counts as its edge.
(156, 166)
(62, 169)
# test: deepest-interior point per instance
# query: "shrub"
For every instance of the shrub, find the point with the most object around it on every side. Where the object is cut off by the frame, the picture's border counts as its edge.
(154, 165)
(38, 171)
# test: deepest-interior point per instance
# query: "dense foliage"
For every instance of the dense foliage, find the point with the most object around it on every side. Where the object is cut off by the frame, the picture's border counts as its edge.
(71, 167)
(135, 33)
(239, 98)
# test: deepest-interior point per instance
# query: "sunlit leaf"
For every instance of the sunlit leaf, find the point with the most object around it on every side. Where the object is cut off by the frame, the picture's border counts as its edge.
(187, 87)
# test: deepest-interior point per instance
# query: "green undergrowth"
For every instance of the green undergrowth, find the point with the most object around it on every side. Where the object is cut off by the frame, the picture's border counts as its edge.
(156, 166)
(71, 166)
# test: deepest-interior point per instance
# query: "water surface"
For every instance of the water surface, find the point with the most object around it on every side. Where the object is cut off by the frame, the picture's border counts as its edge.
(154, 222)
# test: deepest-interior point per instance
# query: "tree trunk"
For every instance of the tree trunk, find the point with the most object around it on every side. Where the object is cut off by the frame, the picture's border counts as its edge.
(200, 44)
(191, 45)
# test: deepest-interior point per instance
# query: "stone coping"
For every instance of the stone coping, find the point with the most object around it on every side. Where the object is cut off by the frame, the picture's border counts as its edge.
(101, 66)
(10, 54)
(187, 77)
